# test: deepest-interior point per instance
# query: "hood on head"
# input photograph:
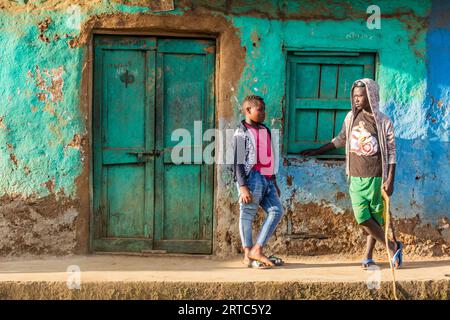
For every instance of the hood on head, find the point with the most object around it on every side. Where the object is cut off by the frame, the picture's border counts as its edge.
(372, 91)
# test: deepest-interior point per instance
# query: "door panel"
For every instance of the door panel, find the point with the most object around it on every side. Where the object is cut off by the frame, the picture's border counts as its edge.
(126, 197)
(122, 180)
(181, 202)
(184, 202)
(125, 99)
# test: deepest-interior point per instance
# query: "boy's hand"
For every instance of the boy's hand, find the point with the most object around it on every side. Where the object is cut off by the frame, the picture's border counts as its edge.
(388, 186)
(308, 152)
(246, 196)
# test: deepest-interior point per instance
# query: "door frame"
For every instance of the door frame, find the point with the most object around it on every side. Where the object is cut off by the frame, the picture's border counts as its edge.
(89, 64)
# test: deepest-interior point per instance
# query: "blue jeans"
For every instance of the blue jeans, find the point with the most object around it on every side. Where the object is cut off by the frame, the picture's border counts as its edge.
(264, 194)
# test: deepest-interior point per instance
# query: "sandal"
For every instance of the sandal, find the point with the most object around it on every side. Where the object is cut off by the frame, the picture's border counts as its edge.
(398, 256)
(255, 264)
(276, 261)
(367, 263)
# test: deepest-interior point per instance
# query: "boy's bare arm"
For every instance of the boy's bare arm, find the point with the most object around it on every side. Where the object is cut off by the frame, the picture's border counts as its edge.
(336, 142)
(314, 152)
(388, 185)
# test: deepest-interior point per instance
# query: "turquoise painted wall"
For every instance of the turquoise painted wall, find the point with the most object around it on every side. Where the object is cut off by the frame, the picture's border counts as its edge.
(39, 109)
(40, 118)
(41, 122)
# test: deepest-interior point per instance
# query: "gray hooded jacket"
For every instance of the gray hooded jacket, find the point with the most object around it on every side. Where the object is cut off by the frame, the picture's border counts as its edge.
(384, 125)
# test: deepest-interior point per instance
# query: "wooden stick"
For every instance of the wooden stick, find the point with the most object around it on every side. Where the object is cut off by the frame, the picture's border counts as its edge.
(386, 238)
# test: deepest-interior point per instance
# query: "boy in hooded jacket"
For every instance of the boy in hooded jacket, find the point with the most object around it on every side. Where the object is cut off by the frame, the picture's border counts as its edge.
(368, 137)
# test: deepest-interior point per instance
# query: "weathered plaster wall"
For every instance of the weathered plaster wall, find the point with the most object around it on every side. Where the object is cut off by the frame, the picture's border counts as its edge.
(41, 135)
(45, 128)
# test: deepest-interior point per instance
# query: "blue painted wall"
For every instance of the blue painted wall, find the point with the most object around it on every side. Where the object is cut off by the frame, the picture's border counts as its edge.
(435, 185)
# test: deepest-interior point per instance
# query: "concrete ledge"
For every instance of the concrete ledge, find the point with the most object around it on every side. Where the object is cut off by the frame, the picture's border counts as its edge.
(206, 277)
(210, 290)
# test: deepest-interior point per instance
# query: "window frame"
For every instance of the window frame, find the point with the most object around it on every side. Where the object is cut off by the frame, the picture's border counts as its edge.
(315, 52)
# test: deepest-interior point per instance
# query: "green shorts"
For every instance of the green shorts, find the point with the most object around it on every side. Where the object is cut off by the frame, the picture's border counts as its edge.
(367, 201)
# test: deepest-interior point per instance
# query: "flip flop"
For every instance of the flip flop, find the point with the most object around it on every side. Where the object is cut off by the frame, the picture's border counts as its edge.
(398, 256)
(255, 264)
(276, 261)
(366, 263)
(401, 253)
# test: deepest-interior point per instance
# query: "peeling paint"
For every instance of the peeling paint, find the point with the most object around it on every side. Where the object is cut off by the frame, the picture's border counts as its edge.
(52, 90)
(43, 26)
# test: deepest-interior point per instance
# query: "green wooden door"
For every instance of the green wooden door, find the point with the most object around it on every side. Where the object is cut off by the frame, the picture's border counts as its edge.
(144, 88)
(319, 95)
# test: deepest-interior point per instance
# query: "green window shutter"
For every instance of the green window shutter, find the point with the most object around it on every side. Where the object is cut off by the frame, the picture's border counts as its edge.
(319, 95)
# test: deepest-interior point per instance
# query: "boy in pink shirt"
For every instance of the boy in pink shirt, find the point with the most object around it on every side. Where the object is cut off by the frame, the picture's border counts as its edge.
(254, 164)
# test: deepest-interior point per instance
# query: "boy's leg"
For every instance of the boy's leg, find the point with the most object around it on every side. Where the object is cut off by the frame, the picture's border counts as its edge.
(374, 229)
(271, 204)
(365, 194)
(248, 212)
(246, 259)
(375, 207)
(247, 215)
(371, 241)
(370, 245)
